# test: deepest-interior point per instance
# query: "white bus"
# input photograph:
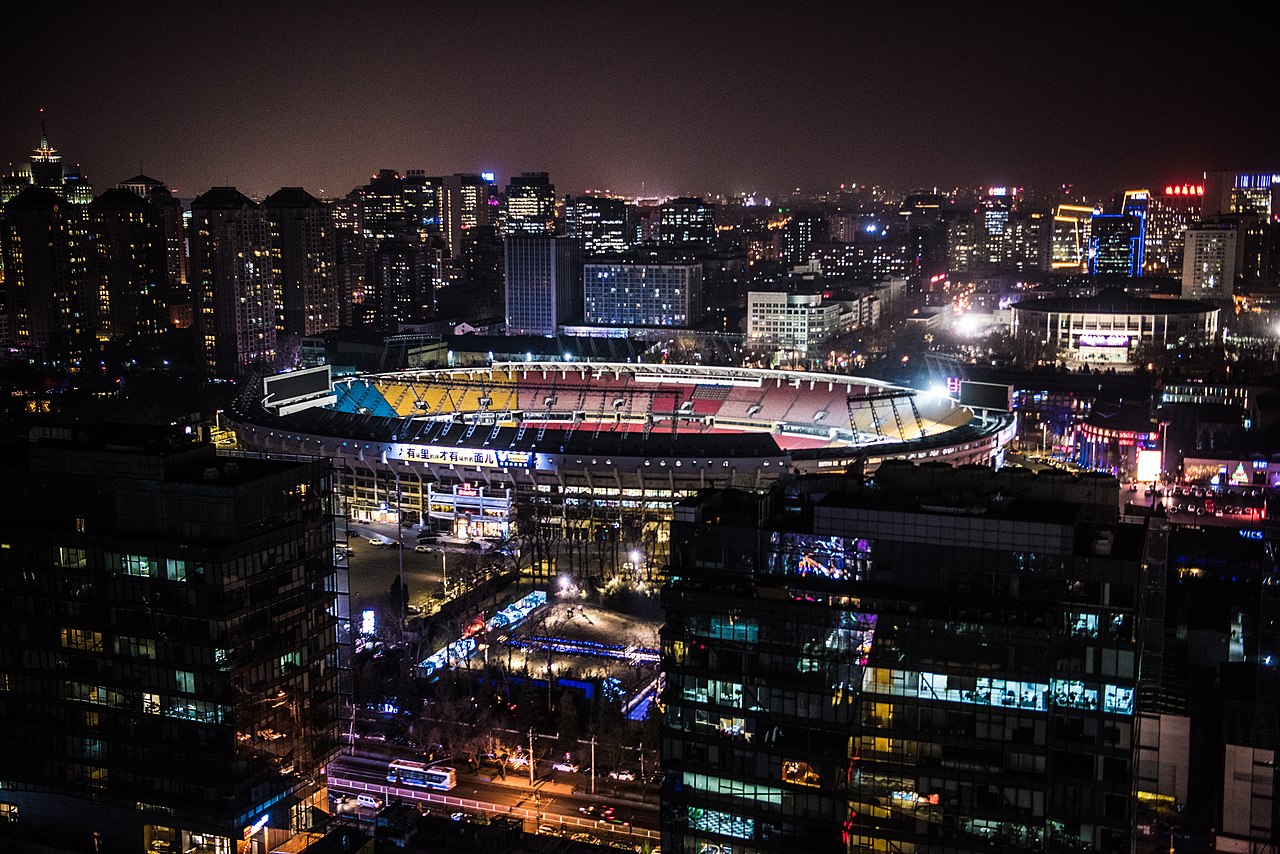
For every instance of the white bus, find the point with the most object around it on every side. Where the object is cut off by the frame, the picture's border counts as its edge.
(410, 773)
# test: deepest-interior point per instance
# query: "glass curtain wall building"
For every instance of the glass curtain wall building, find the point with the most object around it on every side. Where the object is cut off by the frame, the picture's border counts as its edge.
(946, 660)
(173, 656)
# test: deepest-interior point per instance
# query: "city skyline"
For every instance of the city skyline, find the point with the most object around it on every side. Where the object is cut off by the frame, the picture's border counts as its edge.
(262, 99)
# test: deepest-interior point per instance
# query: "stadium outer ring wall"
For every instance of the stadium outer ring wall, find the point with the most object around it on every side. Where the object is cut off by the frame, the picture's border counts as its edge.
(366, 449)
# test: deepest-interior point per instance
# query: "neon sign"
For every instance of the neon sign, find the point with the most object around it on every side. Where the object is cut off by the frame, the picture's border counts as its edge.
(1248, 534)
(256, 826)
(1093, 339)
(455, 456)
(1184, 190)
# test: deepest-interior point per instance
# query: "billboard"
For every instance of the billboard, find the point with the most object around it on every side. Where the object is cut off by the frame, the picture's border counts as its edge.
(283, 388)
(986, 395)
(1149, 465)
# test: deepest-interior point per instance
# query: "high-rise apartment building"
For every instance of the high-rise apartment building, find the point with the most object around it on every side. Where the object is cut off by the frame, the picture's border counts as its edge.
(128, 267)
(530, 205)
(599, 222)
(805, 229)
(1210, 260)
(464, 205)
(53, 312)
(543, 283)
(405, 271)
(947, 660)
(303, 240)
(630, 294)
(173, 653)
(175, 244)
(686, 221)
(233, 280)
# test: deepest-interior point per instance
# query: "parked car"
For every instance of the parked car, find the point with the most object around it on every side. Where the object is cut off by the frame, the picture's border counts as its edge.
(623, 775)
(421, 548)
(565, 766)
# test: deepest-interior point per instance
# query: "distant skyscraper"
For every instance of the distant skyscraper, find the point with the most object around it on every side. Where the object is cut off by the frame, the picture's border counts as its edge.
(1115, 245)
(1027, 241)
(303, 240)
(232, 273)
(47, 170)
(642, 294)
(383, 205)
(1240, 193)
(349, 255)
(962, 234)
(543, 284)
(686, 221)
(464, 205)
(1210, 261)
(404, 273)
(995, 220)
(53, 313)
(422, 201)
(530, 206)
(173, 654)
(600, 222)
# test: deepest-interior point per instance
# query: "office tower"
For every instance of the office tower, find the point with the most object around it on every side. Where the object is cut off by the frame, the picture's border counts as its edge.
(1210, 260)
(1168, 216)
(1137, 204)
(530, 206)
(992, 243)
(405, 271)
(601, 223)
(687, 221)
(946, 660)
(1027, 240)
(47, 170)
(1115, 245)
(543, 283)
(804, 229)
(53, 314)
(382, 203)
(233, 282)
(128, 266)
(303, 239)
(172, 658)
(627, 294)
(175, 243)
(464, 205)
(1069, 238)
(422, 201)
(1248, 193)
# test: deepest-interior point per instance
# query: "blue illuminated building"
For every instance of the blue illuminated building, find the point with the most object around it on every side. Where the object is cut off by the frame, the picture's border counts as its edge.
(1116, 244)
(939, 659)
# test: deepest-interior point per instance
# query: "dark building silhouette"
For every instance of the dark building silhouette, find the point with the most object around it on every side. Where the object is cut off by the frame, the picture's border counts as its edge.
(128, 269)
(172, 658)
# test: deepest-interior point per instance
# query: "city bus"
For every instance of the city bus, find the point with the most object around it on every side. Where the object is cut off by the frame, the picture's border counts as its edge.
(410, 773)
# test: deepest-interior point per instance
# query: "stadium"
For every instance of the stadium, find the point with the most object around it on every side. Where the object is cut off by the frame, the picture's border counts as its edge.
(600, 443)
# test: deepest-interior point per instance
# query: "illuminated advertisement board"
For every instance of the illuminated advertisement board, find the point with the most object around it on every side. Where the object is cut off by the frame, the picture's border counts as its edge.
(455, 456)
(1102, 339)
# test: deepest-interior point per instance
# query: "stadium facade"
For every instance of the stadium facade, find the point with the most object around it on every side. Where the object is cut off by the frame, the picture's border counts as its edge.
(599, 444)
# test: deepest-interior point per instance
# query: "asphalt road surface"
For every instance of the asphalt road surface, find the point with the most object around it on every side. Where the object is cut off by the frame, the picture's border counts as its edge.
(553, 803)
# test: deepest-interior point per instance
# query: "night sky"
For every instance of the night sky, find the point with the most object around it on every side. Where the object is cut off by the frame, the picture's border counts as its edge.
(730, 97)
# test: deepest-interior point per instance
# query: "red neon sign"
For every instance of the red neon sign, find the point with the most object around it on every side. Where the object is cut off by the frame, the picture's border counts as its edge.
(1184, 190)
